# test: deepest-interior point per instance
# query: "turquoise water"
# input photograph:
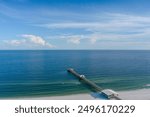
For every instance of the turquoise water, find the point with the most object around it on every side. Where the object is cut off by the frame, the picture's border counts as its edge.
(43, 73)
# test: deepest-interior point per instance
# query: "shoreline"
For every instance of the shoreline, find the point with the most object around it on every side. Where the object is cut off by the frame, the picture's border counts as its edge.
(139, 94)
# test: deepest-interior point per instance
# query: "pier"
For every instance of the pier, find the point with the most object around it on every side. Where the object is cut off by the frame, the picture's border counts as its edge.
(109, 93)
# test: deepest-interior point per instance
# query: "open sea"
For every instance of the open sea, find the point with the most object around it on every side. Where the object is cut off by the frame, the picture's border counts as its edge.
(44, 73)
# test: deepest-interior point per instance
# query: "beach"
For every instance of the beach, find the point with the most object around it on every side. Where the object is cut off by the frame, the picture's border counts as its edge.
(141, 94)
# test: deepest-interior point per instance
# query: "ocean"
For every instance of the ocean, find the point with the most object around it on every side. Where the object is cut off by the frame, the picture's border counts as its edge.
(44, 73)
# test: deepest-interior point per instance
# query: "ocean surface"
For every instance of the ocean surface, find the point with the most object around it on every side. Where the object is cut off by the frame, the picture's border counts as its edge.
(44, 73)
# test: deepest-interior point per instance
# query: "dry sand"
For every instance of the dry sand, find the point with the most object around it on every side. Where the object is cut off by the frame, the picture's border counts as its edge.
(142, 94)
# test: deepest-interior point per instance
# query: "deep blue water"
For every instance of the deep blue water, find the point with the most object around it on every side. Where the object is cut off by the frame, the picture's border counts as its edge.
(36, 73)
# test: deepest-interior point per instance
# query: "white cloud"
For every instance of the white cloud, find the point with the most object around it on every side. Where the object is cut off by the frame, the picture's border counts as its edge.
(109, 22)
(94, 38)
(32, 41)
(37, 40)
(110, 28)
(115, 22)
(14, 42)
(72, 25)
(74, 40)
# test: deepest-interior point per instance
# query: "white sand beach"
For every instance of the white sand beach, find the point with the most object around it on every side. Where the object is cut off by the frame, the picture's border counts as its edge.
(141, 94)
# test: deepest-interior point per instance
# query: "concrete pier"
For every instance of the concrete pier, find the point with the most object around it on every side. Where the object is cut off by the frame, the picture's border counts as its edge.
(88, 82)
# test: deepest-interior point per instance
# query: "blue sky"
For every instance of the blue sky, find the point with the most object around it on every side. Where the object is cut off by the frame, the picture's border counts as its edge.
(75, 24)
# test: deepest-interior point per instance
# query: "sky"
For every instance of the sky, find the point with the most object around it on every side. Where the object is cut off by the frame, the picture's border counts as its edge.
(74, 24)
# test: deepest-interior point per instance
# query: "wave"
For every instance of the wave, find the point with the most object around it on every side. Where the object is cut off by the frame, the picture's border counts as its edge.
(47, 83)
(147, 85)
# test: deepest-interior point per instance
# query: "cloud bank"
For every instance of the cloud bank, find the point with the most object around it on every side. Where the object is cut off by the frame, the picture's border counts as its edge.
(110, 27)
(31, 41)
